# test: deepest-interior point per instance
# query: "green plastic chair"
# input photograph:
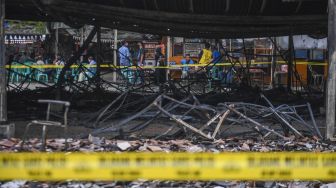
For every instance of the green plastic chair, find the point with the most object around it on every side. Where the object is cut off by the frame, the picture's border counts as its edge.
(41, 76)
(27, 71)
(14, 74)
(75, 73)
(213, 75)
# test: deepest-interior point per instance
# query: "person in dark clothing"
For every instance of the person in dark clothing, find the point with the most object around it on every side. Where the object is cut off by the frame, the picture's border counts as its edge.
(10, 60)
(141, 54)
(158, 54)
(139, 73)
(160, 72)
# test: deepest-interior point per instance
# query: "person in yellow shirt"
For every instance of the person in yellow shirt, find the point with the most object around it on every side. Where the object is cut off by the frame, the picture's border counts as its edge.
(205, 56)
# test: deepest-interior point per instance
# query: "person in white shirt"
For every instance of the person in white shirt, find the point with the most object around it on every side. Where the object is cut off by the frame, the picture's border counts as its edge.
(39, 61)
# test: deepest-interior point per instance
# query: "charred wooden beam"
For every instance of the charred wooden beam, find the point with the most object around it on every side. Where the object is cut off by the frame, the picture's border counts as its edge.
(290, 62)
(156, 5)
(98, 57)
(298, 7)
(82, 12)
(145, 4)
(250, 7)
(227, 7)
(262, 7)
(122, 3)
(191, 6)
(192, 18)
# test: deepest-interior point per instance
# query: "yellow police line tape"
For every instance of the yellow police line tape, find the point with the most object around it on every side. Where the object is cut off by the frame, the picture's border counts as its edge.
(168, 166)
(157, 67)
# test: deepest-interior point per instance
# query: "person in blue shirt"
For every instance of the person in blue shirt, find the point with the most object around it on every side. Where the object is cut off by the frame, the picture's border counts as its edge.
(215, 55)
(185, 69)
(215, 71)
(125, 60)
(124, 54)
(92, 69)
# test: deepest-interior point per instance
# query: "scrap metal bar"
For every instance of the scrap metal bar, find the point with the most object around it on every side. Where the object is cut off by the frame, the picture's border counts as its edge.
(222, 118)
(280, 117)
(313, 120)
(180, 121)
(254, 122)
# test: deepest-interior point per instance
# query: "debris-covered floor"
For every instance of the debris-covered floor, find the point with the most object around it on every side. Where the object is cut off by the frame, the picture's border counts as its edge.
(234, 144)
(129, 122)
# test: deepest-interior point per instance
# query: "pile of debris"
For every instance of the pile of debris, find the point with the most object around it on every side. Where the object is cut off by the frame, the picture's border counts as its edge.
(211, 122)
(97, 144)
(146, 183)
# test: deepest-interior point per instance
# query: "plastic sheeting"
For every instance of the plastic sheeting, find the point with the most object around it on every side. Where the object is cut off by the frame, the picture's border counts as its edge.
(303, 42)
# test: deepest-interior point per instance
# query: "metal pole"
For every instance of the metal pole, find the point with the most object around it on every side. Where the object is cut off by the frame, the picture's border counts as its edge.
(168, 54)
(115, 47)
(274, 61)
(290, 62)
(3, 92)
(82, 41)
(98, 52)
(230, 46)
(331, 82)
(56, 40)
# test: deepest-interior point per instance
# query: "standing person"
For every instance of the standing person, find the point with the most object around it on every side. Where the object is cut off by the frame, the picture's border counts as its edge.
(124, 54)
(141, 54)
(139, 74)
(185, 69)
(159, 61)
(205, 56)
(161, 73)
(58, 61)
(92, 69)
(23, 58)
(216, 54)
(124, 60)
(159, 52)
(216, 57)
(39, 60)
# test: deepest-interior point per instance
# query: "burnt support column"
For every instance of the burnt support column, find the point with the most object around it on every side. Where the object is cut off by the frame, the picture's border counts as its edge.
(6, 128)
(56, 39)
(3, 93)
(331, 81)
(115, 48)
(168, 52)
(98, 52)
(290, 62)
(82, 41)
(274, 61)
